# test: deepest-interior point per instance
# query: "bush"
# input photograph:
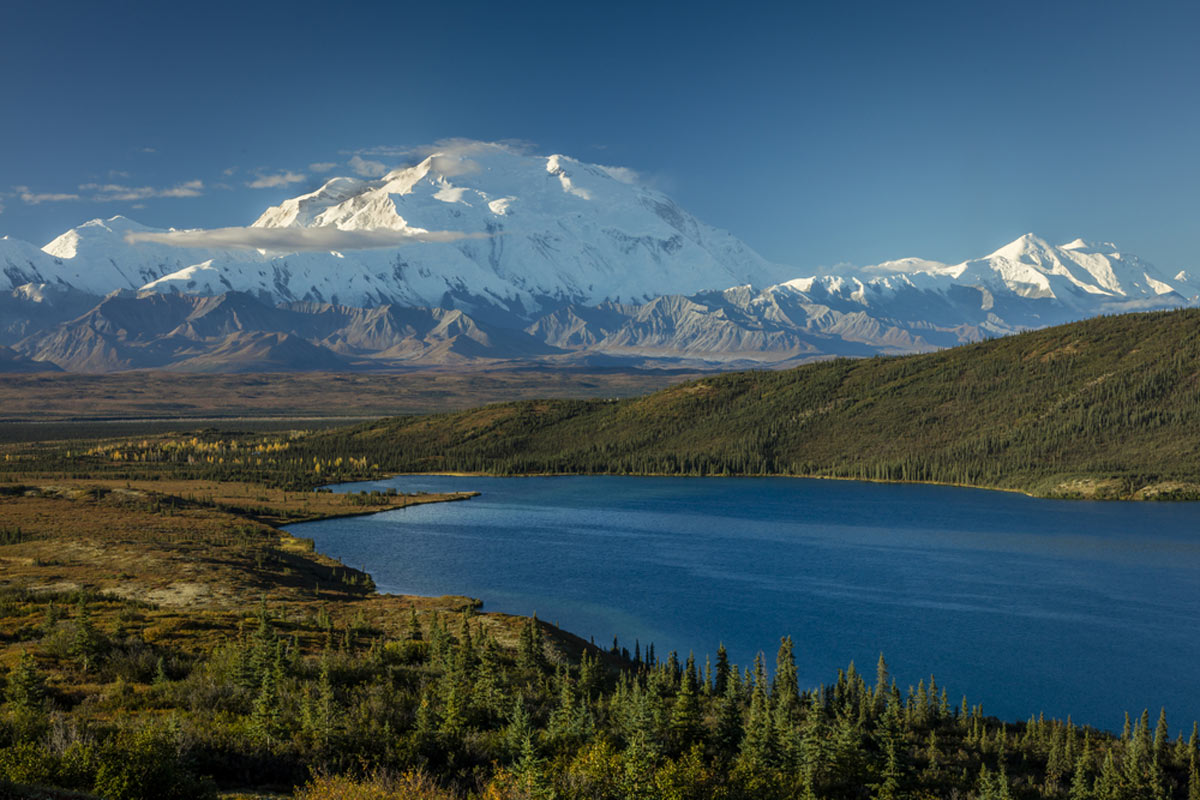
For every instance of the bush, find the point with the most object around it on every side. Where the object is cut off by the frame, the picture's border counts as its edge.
(379, 786)
(145, 764)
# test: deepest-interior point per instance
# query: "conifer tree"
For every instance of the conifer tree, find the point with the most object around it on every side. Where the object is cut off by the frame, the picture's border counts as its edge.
(530, 774)
(881, 684)
(414, 626)
(488, 691)
(729, 719)
(85, 639)
(428, 722)
(813, 753)
(785, 693)
(1109, 785)
(264, 717)
(845, 753)
(560, 728)
(519, 728)
(757, 744)
(326, 706)
(889, 783)
(26, 690)
(685, 725)
(1081, 780)
(721, 675)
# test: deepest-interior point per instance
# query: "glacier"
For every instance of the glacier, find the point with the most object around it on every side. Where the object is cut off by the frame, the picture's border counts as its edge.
(484, 253)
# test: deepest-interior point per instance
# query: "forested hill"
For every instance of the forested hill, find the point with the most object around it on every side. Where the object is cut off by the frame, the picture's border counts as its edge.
(1108, 407)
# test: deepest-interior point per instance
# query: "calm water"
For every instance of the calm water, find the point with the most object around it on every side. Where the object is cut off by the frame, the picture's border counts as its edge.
(1088, 609)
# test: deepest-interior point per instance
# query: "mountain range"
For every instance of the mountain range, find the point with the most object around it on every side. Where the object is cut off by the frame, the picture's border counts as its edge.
(488, 256)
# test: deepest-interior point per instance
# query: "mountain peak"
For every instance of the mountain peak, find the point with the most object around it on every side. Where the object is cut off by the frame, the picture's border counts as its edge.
(1022, 247)
(1084, 246)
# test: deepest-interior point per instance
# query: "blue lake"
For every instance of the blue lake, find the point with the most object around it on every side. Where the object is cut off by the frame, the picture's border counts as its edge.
(1024, 605)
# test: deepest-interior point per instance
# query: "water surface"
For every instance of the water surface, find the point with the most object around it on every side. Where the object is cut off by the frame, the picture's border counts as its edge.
(1025, 605)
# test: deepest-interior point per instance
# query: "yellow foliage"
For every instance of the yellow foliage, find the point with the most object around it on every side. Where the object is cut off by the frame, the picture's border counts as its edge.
(408, 786)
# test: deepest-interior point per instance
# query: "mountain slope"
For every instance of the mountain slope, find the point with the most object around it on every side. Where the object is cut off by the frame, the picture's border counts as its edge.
(1104, 407)
(235, 332)
(12, 362)
(549, 258)
(483, 227)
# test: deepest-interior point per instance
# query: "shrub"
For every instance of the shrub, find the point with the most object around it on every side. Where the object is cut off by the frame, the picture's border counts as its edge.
(379, 786)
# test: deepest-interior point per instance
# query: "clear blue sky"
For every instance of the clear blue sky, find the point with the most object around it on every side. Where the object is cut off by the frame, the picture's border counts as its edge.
(818, 133)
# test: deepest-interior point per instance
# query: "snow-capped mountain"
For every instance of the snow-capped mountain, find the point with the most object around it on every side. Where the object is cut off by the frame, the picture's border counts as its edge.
(515, 232)
(485, 254)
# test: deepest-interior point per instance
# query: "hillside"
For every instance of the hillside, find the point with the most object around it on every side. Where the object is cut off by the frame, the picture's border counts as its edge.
(1107, 407)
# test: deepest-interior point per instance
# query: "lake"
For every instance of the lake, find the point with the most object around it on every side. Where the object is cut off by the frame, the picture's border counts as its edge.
(1024, 605)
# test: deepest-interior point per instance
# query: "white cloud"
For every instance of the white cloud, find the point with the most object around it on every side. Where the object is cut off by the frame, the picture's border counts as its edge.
(188, 189)
(322, 166)
(227, 172)
(321, 239)
(274, 181)
(462, 148)
(119, 193)
(455, 152)
(368, 169)
(36, 198)
(622, 174)
(147, 150)
(1, 208)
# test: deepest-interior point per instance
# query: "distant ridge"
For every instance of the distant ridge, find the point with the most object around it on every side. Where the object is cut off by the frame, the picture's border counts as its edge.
(1107, 407)
(541, 258)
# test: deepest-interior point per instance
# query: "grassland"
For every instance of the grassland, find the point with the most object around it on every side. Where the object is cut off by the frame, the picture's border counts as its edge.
(164, 396)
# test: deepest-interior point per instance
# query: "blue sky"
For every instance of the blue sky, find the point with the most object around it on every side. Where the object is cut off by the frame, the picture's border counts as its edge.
(818, 133)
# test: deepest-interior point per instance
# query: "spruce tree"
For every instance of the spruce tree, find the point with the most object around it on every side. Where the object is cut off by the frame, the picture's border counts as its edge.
(757, 744)
(813, 753)
(721, 678)
(685, 725)
(1081, 780)
(1109, 785)
(530, 774)
(785, 692)
(729, 720)
(85, 639)
(881, 684)
(26, 690)
(414, 626)
(326, 706)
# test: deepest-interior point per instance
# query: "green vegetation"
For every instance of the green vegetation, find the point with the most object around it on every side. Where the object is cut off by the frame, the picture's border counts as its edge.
(178, 687)
(437, 706)
(1109, 407)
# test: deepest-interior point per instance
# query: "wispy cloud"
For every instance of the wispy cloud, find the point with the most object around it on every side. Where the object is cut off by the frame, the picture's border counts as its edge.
(368, 169)
(321, 238)
(454, 147)
(37, 198)
(285, 178)
(110, 193)
(189, 189)
(622, 174)
(119, 193)
(322, 166)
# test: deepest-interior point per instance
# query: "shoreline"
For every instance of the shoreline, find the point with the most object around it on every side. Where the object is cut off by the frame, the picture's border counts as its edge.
(1079, 496)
